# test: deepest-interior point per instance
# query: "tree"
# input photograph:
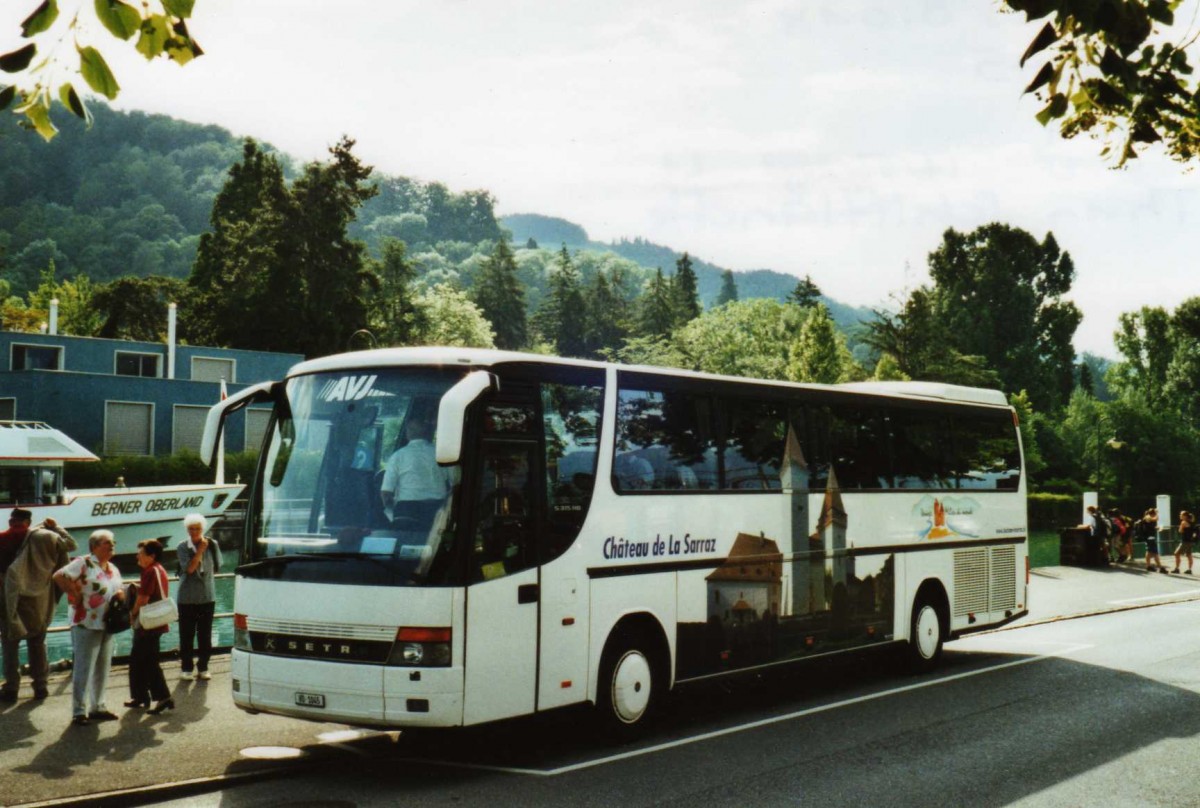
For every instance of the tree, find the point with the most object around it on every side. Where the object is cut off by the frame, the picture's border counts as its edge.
(912, 338)
(998, 293)
(1114, 72)
(806, 293)
(160, 27)
(756, 337)
(729, 291)
(559, 318)
(1144, 340)
(820, 354)
(656, 312)
(606, 314)
(77, 312)
(279, 271)
(448, 317)
(684, 296)
(394, 315)
(333, 266)
(248, 250)
(136, 308)
(499, 295)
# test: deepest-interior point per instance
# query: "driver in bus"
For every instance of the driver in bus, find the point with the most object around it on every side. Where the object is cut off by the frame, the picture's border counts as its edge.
(412, 478)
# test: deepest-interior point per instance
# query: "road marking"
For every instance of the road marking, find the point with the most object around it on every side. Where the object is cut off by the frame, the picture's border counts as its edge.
(1152, 597)
(706, 736)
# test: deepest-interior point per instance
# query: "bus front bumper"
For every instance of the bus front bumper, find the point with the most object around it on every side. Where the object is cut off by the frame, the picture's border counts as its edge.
(362, 695)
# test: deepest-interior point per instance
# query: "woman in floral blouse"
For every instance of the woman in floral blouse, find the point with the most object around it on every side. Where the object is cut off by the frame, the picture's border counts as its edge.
(90, 582)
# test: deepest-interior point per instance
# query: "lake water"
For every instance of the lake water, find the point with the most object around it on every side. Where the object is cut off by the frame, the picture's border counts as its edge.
(58, 643)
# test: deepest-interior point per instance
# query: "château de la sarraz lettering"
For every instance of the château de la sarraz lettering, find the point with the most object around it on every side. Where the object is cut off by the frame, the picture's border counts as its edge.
(620, 547)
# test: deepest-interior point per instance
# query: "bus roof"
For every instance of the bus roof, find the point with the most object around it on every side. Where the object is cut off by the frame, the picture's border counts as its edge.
(484, 357)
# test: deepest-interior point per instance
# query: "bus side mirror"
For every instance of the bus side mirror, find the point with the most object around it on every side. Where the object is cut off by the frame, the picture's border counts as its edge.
(452, 413)
(215, 421)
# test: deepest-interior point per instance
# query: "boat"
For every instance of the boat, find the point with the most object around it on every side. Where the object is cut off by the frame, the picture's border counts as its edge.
(32, 457)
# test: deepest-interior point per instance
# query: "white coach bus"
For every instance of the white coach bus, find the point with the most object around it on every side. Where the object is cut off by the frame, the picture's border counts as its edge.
(605, 532)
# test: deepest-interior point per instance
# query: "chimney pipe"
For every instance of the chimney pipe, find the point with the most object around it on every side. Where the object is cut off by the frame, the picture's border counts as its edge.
(54, 315)
(171, 341)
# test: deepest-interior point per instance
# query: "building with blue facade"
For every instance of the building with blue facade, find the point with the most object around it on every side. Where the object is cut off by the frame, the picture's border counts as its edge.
(119, 397)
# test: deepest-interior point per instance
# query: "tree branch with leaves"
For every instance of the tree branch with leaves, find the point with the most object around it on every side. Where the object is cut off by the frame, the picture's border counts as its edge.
(59, 47)
(1117, 70)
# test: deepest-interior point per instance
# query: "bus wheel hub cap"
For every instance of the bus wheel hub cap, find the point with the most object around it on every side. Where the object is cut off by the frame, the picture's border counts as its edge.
(631, 686)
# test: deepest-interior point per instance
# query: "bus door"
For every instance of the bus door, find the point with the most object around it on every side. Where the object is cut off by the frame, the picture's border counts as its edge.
(503, 599)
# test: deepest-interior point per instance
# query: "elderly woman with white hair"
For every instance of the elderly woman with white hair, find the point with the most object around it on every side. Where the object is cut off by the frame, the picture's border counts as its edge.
(199, 559)
(90, 582)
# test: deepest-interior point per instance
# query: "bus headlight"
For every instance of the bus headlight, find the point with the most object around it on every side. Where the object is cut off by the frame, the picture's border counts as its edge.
(421, 647)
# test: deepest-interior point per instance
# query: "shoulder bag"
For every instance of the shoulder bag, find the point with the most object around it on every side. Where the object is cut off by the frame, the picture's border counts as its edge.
(161, 612)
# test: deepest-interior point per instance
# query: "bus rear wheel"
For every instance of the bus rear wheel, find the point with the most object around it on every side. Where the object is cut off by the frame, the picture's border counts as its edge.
(629, 686)
(925, 637)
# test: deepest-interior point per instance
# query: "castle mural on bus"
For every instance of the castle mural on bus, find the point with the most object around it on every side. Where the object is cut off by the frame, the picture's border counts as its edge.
(764, 607)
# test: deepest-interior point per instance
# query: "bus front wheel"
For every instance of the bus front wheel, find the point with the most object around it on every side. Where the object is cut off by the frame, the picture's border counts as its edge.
(925, 636)
(629, 685)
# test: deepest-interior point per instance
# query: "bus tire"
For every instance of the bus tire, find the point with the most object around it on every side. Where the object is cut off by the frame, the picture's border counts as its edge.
(926, 634)
(630, 685)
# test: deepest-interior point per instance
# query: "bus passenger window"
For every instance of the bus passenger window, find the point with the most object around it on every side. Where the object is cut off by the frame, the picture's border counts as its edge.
(754, 444)
(921, 446)
(987, 453)
(664, 441)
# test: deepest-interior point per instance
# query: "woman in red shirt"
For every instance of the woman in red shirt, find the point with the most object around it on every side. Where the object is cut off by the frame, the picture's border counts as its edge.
(146, 680)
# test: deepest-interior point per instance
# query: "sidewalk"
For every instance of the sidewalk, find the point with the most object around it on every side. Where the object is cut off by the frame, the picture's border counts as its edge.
(43, 759)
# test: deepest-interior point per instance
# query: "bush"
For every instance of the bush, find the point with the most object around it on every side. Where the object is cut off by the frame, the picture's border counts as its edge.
(1054, 511)
(184, 468)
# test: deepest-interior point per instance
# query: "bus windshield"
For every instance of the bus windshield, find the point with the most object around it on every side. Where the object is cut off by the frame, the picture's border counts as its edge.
(349, 488)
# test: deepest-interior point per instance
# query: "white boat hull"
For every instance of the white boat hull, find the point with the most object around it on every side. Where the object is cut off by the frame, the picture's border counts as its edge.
(137, 514)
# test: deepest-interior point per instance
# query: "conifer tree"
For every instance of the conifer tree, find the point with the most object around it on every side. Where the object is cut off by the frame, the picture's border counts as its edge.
(729, 292)
(501, 297)
(559, 319)
(656, 310)
(685, 299)
(806, 293)
(607, 316)
(395, 317)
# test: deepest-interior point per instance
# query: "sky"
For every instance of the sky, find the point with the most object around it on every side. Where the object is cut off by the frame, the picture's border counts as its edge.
(834, 138)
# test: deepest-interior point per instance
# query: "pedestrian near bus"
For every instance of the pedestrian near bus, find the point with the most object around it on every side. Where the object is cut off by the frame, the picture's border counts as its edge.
(1148, 532)
(28, 558)
(199, 560)
(1187, 540)
(1120, 535)
(146, 680)
(90, 582)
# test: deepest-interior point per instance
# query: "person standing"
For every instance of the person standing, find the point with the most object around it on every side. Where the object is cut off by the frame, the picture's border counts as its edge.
(1148, 528)
(146, 680)
(90, 582)
(199, 559)
(28, 559)
(1187, 540)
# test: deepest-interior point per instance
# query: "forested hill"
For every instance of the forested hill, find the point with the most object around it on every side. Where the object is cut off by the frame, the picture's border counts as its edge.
(131, 197)
(551, 232)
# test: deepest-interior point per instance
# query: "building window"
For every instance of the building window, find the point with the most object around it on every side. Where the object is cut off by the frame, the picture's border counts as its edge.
(256, 428)
(8, 409)
(36, 357)
(128, 428)
(208, 369)
(137, 364)
(188, 427)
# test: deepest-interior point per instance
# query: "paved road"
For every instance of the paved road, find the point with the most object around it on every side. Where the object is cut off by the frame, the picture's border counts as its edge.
(42, 758)
(1098, 711)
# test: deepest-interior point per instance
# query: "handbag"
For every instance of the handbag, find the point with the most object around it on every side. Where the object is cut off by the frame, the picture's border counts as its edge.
(161, 612)
(116, 618)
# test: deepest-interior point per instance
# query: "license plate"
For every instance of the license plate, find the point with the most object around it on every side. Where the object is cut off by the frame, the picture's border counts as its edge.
(310, 700)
